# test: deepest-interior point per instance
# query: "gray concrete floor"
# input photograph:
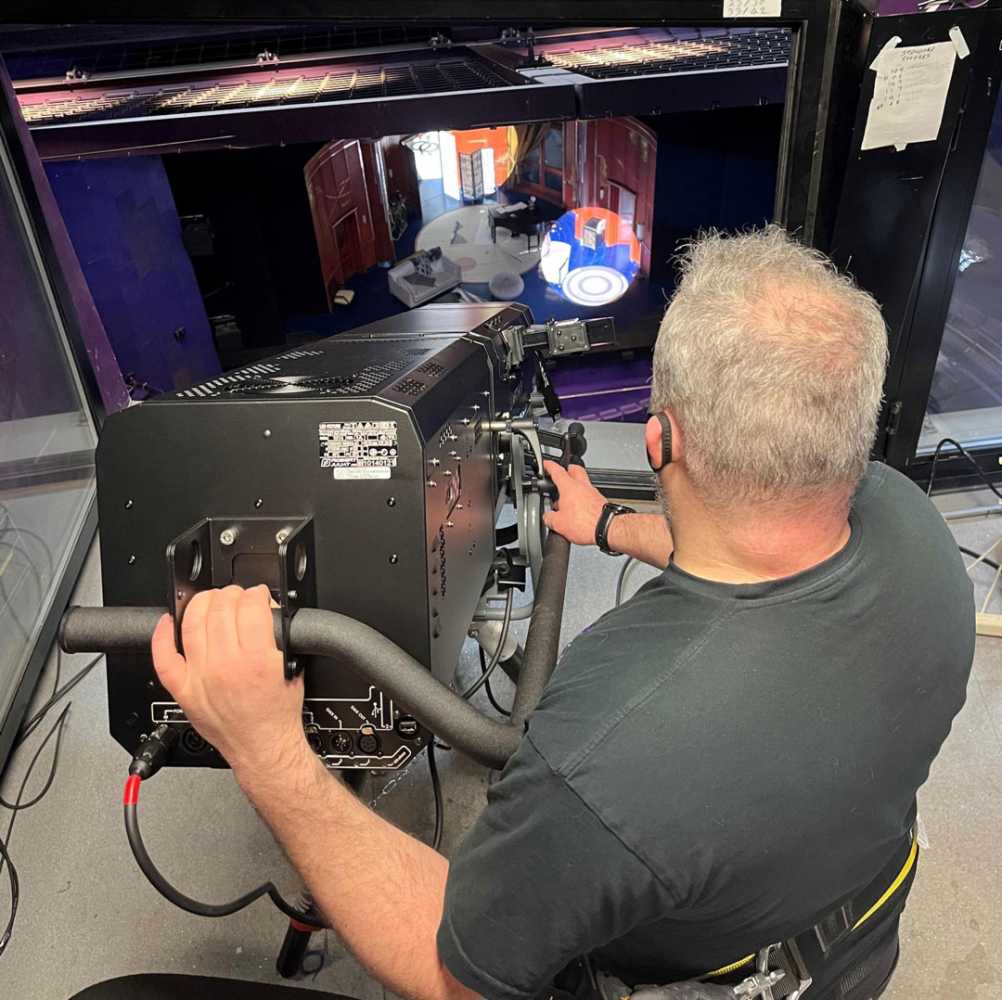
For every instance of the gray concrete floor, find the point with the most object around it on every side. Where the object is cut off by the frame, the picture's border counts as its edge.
(87, 914)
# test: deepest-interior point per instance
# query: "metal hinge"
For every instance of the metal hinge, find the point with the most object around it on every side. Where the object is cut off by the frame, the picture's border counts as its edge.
(893, 418)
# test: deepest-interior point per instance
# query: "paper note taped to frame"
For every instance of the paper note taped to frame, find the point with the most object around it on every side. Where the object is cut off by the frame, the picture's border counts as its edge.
(909, 96)
(753, 8)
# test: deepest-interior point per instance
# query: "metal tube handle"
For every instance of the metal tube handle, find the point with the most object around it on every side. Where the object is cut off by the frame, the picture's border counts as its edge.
(373, 656)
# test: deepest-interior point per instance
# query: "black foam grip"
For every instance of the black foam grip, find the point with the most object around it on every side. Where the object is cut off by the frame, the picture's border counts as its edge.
(373, 656)
(542, 644)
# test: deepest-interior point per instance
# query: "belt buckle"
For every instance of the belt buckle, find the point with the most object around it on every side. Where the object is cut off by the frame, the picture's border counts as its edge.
(759, 985)
(790, 963)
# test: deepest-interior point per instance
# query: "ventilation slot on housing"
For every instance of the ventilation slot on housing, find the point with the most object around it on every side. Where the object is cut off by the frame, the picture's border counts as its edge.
(226, 383)
(410, 387)
(302, 353)
(266, 380)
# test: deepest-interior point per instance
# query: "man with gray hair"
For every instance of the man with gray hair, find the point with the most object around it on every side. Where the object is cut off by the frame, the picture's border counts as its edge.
(727, 761)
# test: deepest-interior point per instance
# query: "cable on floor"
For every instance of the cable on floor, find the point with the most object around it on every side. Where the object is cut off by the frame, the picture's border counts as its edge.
(18, 805)
(28, 728)
(970, 460)
(5, 858)
(980, 558)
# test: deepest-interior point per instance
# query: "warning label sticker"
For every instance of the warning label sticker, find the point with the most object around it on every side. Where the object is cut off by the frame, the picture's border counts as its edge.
(359, 449)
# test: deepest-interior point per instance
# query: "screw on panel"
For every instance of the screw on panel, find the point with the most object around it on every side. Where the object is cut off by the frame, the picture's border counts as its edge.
(227, 536)
(259, 503)
(431, 482)
(282, 534)
(132, 560)
(128, 505)
(267, 432)
(391, 501)
(394, 559)
(293, 594)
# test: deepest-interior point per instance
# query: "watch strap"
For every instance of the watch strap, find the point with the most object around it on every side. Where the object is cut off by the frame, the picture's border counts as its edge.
(609, 511)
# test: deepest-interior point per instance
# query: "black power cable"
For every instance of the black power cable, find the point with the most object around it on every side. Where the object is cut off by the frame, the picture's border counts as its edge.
(970, 459)
(487, 686)
(15, 897)
(29, 727)
(496, 657)
(977, 555)
(621, 579)
(15, 885)
(436, 787)
(18, 805)
(150, 757)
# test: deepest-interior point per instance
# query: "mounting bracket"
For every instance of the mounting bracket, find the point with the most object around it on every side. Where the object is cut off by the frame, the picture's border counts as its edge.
(219, 551)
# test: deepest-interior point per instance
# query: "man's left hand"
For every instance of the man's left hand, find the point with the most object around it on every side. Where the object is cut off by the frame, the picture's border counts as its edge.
(230, 681)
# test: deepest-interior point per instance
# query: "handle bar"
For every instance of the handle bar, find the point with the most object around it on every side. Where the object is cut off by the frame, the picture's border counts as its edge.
(376, 658)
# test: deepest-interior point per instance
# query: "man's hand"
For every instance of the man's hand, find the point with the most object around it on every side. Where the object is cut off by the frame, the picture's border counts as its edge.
(230, 684)
(575, 514)
(230, 681)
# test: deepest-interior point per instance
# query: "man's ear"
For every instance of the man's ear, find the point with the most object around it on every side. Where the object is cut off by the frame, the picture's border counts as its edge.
(661, 440)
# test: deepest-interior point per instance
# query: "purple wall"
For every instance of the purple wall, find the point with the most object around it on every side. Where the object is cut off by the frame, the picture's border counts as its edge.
(102, 359)
(888, 8)
(121, 217)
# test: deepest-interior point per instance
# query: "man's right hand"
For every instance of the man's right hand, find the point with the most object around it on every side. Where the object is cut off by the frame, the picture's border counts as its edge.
(576, 512)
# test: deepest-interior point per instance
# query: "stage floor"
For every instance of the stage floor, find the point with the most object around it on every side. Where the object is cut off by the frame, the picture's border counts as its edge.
(464, 234)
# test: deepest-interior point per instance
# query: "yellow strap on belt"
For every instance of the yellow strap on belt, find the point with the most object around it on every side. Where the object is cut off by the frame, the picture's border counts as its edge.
(893, 887)
(884, 897)
(733, 967)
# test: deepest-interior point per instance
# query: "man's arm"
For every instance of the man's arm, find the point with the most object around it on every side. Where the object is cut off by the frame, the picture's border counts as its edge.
(381, 890)
(646, 537)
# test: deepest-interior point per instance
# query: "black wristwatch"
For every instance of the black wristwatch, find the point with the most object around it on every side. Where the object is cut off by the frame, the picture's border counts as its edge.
(609, 511)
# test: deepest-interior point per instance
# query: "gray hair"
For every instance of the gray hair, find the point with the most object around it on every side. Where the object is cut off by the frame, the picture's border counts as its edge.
(773, 365)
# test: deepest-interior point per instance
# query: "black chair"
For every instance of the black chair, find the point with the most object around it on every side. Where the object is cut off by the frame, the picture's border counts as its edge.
(152, 986)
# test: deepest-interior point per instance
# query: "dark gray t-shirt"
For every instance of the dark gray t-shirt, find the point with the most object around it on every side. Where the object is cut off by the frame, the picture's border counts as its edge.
(713, 766)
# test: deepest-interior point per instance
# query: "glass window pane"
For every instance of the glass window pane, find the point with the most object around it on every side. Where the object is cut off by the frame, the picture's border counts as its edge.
(46, 441)
(966, 398)
(528, 168)
(553, 148)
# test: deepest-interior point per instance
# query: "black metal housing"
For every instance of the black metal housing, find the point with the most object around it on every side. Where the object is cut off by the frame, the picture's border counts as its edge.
(403, 540)
(902, 218)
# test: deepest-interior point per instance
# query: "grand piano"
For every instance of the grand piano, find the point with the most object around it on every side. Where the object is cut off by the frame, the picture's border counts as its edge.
(519, 219)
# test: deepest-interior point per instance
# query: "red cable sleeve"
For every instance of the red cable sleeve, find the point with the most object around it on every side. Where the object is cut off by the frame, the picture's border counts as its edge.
(298, 925)
(131, 794)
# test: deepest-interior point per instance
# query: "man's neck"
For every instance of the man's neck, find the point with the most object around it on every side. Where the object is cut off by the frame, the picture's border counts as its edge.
(755, 546)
